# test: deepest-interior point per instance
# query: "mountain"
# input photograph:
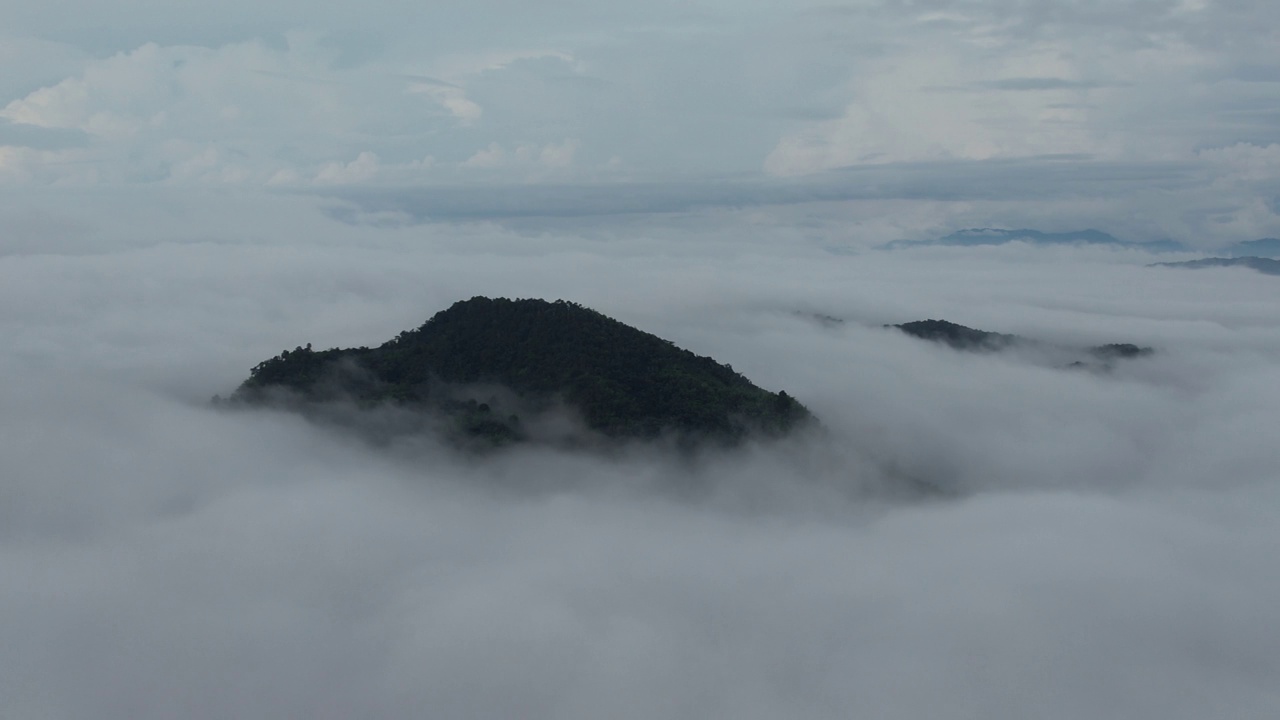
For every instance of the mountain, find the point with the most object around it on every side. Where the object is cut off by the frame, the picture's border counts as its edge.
(1262, 248)
(1119, 351)
(960, 337)
(483, 363)
(973, 237)
(957, 336)
(976, 237)
(1262, 265)
(995, 236)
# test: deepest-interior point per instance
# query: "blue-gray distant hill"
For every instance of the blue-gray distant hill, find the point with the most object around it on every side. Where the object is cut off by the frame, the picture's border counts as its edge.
(975, 237)
(960, 337)
(492, 371)
(982, 237)
(1261, 264)
(1263, 248)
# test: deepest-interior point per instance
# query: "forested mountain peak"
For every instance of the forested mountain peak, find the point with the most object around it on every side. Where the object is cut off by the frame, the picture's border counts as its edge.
(624, 383)
(961, 337)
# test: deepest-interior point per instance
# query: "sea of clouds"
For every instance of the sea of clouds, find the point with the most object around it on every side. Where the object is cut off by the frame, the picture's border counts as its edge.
(1098, 544)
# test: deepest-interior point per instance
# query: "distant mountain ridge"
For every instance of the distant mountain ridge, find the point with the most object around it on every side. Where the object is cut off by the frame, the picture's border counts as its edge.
(975, 237)
(979, 237)
(996, 236)
(1263, 265)
(1262, 248)
(957, 336)
(969, 339)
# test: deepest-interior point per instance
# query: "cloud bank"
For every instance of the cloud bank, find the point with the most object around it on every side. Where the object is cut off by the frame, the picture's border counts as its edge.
(187, 190)
(1105, 545)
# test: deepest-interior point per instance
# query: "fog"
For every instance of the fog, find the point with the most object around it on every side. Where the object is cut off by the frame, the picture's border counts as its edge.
(189, 189)
(1099, 543)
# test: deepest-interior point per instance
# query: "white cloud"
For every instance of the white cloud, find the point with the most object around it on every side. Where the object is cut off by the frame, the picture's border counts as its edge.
(14, 162)
(977, 84)
(452, 98)
(461, 67)
(362, 169)
(21, 166)
(263, 110)
(549, 157)
(787, 88)
(489, 157)
(286, 176)
(952, 100)
(1112, 553)
(558, 156)
(1245, 161)
(116, 97)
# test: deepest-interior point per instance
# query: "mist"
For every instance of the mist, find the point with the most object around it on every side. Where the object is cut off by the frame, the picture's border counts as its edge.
(1096, 543)
(189, 189)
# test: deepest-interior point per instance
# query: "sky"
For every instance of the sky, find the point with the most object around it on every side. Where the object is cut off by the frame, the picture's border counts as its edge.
(186, 191)
(1100, 98)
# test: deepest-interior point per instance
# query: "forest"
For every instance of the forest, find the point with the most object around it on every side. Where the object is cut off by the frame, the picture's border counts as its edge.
(624, 383)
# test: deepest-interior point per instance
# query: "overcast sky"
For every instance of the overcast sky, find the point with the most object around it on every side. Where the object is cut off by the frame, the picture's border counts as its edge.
(391, 93)
(187, 189)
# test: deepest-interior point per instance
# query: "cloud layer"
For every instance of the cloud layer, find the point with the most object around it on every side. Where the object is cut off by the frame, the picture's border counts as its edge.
(1107, 547)
(189, 189)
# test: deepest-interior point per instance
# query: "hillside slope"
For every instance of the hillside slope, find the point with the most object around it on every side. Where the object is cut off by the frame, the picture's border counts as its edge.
(624, 383)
